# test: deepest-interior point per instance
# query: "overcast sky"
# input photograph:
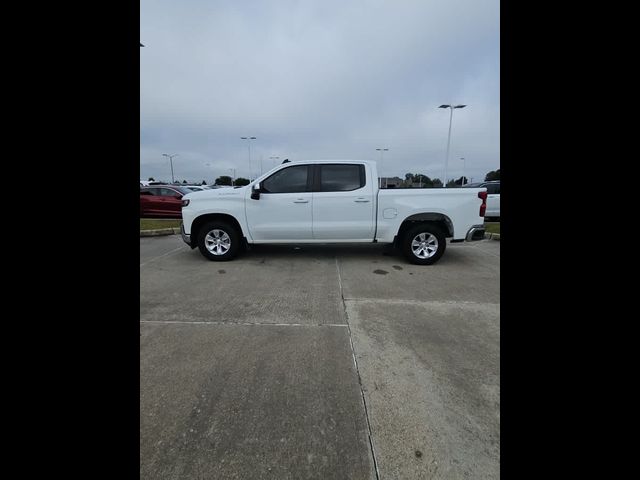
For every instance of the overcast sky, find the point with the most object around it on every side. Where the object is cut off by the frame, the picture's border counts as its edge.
(319, 79)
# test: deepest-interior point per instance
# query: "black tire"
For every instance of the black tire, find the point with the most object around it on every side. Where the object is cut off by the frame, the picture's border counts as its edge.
(221, 229)
(430, 231)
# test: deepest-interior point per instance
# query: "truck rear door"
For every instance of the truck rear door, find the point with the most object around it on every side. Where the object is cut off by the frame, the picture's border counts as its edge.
(343, 203)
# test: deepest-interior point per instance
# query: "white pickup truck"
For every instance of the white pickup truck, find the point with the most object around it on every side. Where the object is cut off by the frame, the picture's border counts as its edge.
(329, 201)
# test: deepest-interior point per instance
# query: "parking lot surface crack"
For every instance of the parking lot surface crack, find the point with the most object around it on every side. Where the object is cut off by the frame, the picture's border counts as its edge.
(355, 363)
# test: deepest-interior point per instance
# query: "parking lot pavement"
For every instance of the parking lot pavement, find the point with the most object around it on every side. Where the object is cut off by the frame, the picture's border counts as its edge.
(267, 285)
(426, 342)
(250, 401)
(155, 248)
(466, 272)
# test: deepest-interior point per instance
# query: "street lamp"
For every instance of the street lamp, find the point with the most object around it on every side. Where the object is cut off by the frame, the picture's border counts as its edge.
(171, 161)
(464, 164)
(381, 150)
(446, 164)
(248, 139)
(234, 176)
(212, 169)
(274, 160)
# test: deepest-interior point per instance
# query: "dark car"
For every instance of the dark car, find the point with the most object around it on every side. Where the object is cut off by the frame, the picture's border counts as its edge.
(162, 201)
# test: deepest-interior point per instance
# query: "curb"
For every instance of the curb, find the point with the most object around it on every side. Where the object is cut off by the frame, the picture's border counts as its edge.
(492, 236)
(159, 231)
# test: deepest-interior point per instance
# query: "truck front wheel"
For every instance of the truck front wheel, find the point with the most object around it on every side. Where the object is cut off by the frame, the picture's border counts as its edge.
(424, 244)
(218, 241)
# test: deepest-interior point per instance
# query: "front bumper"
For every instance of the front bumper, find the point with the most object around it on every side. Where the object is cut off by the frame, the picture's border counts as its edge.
(186, 238)
(475, 233)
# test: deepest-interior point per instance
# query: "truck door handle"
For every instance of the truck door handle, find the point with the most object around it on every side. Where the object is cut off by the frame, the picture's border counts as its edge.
(301, 200)
(361, 200)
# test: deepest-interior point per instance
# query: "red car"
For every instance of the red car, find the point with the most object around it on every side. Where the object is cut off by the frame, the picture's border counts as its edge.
(162, 201)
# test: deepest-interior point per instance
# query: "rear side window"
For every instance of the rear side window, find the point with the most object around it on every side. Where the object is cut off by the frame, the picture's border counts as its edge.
(167, 192)
(493, 189)
(288, 180)
(341, 178)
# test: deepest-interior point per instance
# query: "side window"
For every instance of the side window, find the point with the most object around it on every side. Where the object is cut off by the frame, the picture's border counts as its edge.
(167, 192)
(146, 192)
(492, 189)
(341, 178)
(497, 188)
(288, 180)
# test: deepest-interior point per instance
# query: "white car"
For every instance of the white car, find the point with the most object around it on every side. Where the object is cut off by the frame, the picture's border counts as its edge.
(331, 201)
(493, 197)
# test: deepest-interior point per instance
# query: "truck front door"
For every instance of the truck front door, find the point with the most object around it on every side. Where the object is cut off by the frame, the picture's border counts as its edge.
(283, 211)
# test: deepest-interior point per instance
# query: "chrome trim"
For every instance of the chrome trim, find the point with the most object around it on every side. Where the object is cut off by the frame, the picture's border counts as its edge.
(473, 230)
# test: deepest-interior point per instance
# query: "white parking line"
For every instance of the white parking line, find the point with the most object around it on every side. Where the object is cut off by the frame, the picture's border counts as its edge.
(163, 255)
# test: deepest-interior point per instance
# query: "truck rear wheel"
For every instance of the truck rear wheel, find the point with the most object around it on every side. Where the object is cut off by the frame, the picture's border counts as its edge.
(218, 241)
(424, 244)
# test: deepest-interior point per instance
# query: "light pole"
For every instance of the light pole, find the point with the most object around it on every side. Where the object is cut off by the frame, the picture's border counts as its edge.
(381, 150)
(248, 139)
(209, 165)
(446, 163)
(464, 164)
(274, 159)
(234, 176)
(171, 161)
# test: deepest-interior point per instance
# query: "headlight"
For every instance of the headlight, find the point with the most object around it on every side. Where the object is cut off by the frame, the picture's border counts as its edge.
(185, 203)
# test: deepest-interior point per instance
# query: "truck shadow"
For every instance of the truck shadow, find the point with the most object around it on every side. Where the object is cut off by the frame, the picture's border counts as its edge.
(375, 253)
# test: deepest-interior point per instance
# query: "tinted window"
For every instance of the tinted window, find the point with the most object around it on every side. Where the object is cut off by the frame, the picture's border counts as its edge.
(146, 192)
(341, 178)
(493, 188)
(167, 192)
(289, 180)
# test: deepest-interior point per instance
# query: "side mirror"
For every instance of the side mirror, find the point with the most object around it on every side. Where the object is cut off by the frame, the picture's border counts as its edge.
(255, 191)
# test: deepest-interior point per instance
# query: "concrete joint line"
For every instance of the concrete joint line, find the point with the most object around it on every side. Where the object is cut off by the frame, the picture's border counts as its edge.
(186, 322)
(435, 303)
(355, 363)
(484, 251)
(163, 255)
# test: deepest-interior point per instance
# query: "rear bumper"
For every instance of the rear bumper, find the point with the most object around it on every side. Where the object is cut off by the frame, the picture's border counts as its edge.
(475, 233)
(186, 238)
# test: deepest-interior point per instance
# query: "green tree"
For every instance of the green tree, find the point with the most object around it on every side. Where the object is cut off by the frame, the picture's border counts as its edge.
(461, 181)
(151, 179)
(423, 180)
(203, 182)
(223, 180)
(437, 183)
(492, 175)
(184, 181)
(451, 183)
(241, 182)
